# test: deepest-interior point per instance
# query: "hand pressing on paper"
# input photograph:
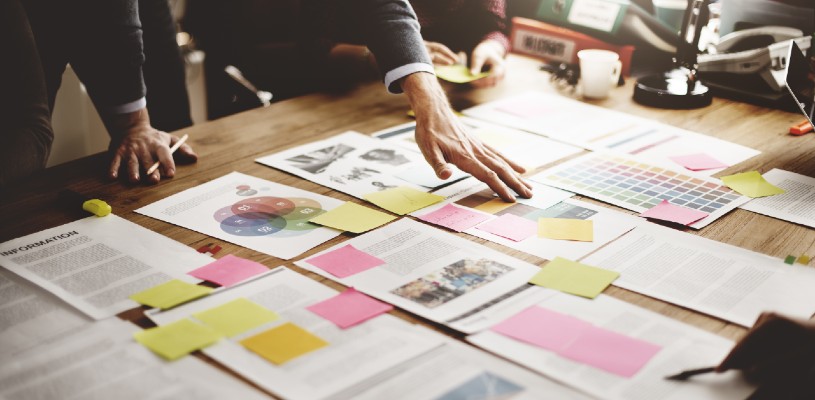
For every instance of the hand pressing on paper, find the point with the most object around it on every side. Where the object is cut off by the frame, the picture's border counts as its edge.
(139, 145)
(489, 54)
(443, 139)
(778, 354)
(441, 54)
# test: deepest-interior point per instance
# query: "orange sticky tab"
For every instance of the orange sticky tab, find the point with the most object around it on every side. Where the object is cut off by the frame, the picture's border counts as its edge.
(801, 128)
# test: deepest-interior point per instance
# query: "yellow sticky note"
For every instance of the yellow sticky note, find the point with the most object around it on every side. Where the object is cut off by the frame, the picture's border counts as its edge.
(178, 339)
(803, 259)
(751, 184)
(353, 217)
(566, 229)
(236, 317)
(458, 73)
(494, 206)
(170, 294)
(574, 278)
(283, 343)
(402, 200)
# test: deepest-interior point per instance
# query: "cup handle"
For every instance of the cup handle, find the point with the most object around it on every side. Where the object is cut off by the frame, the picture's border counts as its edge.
(615, 76)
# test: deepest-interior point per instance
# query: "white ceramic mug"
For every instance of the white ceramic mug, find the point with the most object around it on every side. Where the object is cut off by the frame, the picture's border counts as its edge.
(599, 72)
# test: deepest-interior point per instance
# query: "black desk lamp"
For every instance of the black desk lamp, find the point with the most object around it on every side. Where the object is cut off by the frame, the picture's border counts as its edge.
(679, 88)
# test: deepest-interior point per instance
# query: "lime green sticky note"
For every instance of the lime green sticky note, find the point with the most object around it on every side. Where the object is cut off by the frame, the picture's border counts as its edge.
(283, 343)
(574, 278)
(566, 229)
(458, 73)
(236, 317)
(173, 341)
(402, 200)
(751, 184)
(353, 217)
(170, 294)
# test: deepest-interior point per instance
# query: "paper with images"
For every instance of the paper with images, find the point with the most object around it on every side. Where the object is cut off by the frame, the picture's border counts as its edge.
(439, 276)
(597, 128)
(251, 212)
(547, 202)
(725, 281)
(355, 357)
(796, 205)
(101, 361)
(633, 184)
(95, 263)
(351, 163)
(527, 149)
(29, 316)
(682, 347)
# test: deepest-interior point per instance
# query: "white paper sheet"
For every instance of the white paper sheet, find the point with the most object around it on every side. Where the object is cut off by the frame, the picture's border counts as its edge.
(95, 263)
(251, 212)
(439, 276)
(527, 149)
(725, 281)
(29, 316)
(102, 361)
(547, 202)
(596, 128)
(797, 205)
(631, 183)
(354, 357)
(683, 347)
(354, 163)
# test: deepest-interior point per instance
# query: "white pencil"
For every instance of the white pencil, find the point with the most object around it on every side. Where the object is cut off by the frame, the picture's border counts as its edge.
(175, 147)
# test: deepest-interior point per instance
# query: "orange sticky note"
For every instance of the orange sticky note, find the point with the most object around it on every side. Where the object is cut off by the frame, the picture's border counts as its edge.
(283, 343)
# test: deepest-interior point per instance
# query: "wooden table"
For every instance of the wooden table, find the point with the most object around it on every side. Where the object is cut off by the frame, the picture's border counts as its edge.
(232, 144)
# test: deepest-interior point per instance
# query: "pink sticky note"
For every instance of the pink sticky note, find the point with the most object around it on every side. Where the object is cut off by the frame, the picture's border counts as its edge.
(698, 162)
(669, 212)
(229, 270)
(524, 109)
(456, 218)
(611, 351)
(349, 308)
(345, 261)
(511, 227)
(543, 328)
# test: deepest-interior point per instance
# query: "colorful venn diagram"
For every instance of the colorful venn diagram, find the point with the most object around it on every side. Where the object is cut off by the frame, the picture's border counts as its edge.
(268, 216)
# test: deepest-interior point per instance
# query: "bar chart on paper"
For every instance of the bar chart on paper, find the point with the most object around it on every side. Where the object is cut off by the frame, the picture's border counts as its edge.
(637, 186)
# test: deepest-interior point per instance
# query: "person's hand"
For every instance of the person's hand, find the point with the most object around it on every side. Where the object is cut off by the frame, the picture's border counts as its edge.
(778, 353)
(140, 145)
(488, 53)
(440, 54)
(443, 139)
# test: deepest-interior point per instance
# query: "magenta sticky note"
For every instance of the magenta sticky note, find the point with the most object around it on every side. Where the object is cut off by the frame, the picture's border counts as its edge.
(524, 109)
(543, 328)
(349, 308)
(455, 218)
(670, 212)
(345, 261)
(511, 227)
(611, 351)
(698, 162)
(228, 270)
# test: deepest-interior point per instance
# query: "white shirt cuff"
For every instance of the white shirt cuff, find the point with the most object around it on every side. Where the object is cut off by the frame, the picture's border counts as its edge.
(398, 73)
(128, 107)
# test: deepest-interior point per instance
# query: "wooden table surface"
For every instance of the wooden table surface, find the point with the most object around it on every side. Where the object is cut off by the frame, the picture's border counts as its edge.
(232, 144)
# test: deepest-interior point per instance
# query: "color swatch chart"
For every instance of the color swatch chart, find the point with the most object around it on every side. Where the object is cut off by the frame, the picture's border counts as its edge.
(637, 186)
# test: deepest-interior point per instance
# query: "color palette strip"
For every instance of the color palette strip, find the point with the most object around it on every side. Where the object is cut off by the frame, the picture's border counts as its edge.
(637, 186)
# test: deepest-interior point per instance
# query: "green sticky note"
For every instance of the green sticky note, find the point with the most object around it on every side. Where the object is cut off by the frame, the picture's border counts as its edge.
(173, 341)
(236, 317)
(353, 217)
(283, 343)
(789, 260)
(574, 278)
(402, 200)
(751, 184)
(458, 73)
(170, 294)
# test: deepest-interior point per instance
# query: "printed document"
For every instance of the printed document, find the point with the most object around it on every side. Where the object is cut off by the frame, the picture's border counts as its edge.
(95, 263)
(796, 205)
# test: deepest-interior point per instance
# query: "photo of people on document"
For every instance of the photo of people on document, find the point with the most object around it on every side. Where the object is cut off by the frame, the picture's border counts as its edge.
(451, 282)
